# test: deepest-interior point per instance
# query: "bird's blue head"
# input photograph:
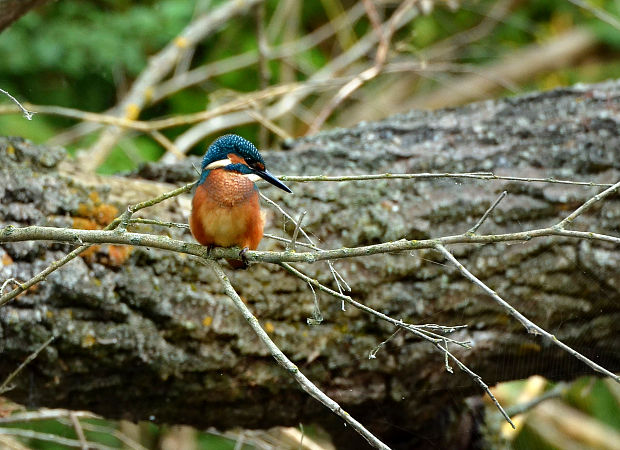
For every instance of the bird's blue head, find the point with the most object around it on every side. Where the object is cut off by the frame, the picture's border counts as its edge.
(234, 153)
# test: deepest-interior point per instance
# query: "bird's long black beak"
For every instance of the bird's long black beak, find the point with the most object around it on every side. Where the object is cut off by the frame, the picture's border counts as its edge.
(267, 176)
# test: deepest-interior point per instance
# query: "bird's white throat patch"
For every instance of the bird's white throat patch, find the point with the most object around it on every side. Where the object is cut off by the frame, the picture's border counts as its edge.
(252, 177)
(220, 163)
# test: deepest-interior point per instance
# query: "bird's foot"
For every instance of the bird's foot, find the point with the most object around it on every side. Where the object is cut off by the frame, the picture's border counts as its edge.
(244, 259)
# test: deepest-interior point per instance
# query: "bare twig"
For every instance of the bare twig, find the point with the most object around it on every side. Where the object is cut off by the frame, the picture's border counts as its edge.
(142, 221)
(27, 114)
(46, 414)
(160, 65)
(268, 124)
(326, 74)
(530, 326)
(286, 50)
(60, 414)
(426, 332)
(374, 351)
(281, 358)
(478, 380)
(7, 282)
(412, 176)
(317, 317)
(337, 277)
(473, 229)
(587, 205)
(384, 36)
(78, 430)
(599, 13)
(263, 68)
(166, 143)
(49, 437)
(5, 385)
(557, 391)
(293, 242)
(418, 330)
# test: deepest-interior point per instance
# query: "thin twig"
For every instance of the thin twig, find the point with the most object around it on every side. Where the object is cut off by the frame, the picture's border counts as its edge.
(322, 77)
(5, 385)
(473, 229)
(530, 326)
(27, 114)
(557, 391)
(167, 144)
(78, 430)
(587, 205)
(418, 330)
(422, 331)
(46, 414)
(268, 124)
(49, 437)
(7, 282)
(374, 351)
(332, 269)
(234, 63)
(159, 66)
(142, 221)
(263, 68)
(410, 176)
(384, 36)
(288, 241)
(281, 358)
(600, 13)
(479, 381)
(317, 317)
(293, 243)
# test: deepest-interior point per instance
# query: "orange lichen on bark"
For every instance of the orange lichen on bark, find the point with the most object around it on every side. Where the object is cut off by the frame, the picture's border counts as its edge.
(94, 215)
(118, 254)
(96, 210)
(6, 260)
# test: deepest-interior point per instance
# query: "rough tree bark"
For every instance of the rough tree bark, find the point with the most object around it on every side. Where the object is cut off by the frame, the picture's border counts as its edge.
(150, 335)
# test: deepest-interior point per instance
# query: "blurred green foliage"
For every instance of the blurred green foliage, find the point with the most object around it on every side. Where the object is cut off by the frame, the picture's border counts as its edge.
(84, 55)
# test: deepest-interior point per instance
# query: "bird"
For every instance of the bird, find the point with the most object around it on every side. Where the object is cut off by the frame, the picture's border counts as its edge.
(225, 207)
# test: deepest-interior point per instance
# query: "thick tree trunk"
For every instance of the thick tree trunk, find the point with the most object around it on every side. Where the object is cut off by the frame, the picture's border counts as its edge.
(153, 336)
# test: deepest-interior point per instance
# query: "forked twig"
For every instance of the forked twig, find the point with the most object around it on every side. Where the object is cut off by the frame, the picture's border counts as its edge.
(286, 363)
(530, 326)
(486, 214)
(418, 330)
(5, 385)
(27, 114)
(587, 205)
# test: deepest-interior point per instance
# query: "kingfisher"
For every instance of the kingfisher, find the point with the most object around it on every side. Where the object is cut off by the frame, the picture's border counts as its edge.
(225, 207)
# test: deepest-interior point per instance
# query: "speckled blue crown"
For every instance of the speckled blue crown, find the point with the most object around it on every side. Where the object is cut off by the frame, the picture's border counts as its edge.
(231, 143)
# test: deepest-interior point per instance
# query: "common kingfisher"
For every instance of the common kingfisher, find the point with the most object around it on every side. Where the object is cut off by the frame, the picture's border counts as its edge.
(225, 208)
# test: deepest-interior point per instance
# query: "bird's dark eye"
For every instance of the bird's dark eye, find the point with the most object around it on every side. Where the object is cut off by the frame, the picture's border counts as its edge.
(254, 164)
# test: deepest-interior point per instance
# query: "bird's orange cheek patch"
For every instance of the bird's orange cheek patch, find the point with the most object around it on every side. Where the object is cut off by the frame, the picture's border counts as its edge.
(236, 159)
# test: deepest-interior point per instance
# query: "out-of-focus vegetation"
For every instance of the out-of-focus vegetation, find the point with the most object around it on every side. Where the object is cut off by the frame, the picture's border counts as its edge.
(86, 55)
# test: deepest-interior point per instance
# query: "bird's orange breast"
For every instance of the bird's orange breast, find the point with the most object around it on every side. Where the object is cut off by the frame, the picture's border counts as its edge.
(226, 211)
